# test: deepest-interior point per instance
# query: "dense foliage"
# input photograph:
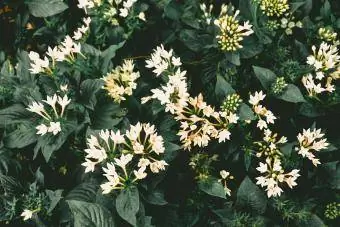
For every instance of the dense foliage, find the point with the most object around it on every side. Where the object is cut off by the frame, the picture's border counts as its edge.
(169, 113)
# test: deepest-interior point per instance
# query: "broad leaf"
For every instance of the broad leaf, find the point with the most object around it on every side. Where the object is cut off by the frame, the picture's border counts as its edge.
(265, 76)
(292, 94)
(46, 8)
(127, 204)
(212, 187)
(222, 88)
(251, 196)
(90, 214)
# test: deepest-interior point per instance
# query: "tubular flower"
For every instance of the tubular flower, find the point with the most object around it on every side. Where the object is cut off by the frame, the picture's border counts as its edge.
(174, 94)
(121, 81)
(326, 65)
(271, 170)
(261, 111)
(52, 116)
(311, 141)
(231, 32)
(127, 156)
(200, 123)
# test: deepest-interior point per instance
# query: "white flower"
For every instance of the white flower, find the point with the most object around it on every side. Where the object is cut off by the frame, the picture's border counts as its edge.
(63, 102)
(123, 160)
(116, 137)
(311, 141)
(141, 16)
(54, 127)
(42, 129)
(27, 214)
(110, 170)
(143, 162)
(262, 168)
(256, 98)
(261, 124)
(52, 101)
(123, 12)
(89, 165)
(140, 174)
(38, 108)
(223, 135)
(224, 174)
(138, 148)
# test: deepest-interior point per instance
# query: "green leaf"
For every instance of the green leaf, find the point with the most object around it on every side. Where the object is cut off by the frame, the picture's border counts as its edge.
(108, 54)
(222, 88)
(13, 115)
(173, 11)
(307, 109)
(23, 136)
(107, 115)
(325, 10)
(191, 39)
(233, 58)
(265, 76)
(88, 90)
(313, 221)
(170, 151)
(127, 204)
(156, 198)
(90, 215)
(54, 197)
(212, 187)
(292, 94)
(83, 192)
(49, 143)
(246, 113)
(251, 196)
(46, 8)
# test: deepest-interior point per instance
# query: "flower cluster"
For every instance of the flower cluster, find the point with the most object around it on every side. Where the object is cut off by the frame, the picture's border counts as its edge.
(261, 111)
(231, 103)
(225, 177)
(326, 64)
(271, 169)
(327, 34)
(200, 123)
(51, 122)
(174, 94)
(288, 24)
(311, 141)
(332, 210)
(231, 31)
(111, 10)
(279, 85)
(121, 81)
(64, 52)
(274, 7)
(127, 156)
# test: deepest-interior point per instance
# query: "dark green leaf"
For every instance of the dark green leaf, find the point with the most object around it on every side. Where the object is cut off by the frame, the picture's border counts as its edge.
(292, 94)
(90, 214)
(222, 88)
(246, 113)
(127, 204)
(54, 197)
(46, 8)
(88, 90)
(265, 76)
(212, 187)
(251, 196)
(23, 136)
